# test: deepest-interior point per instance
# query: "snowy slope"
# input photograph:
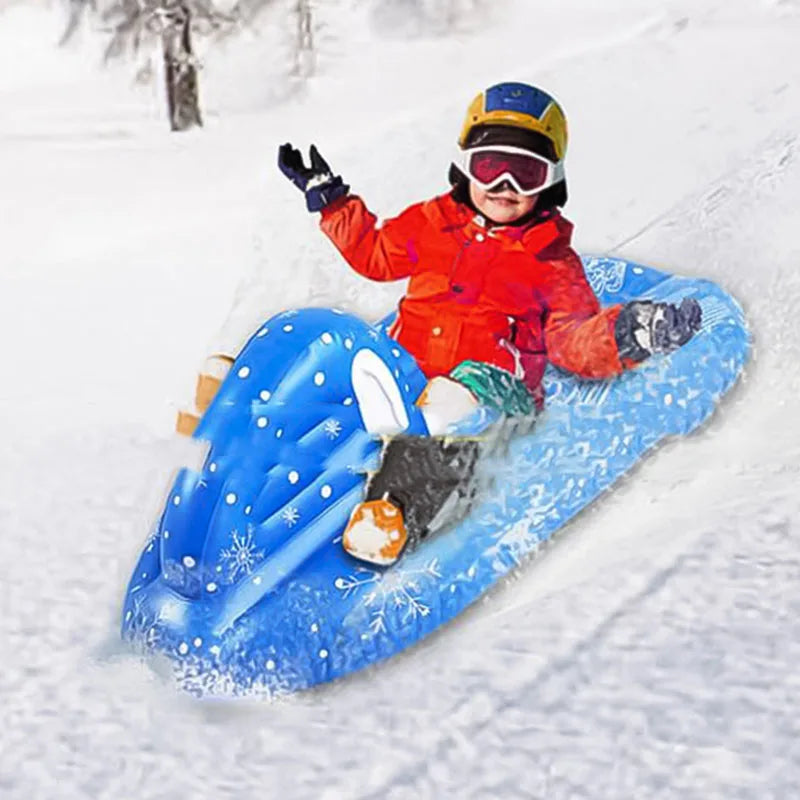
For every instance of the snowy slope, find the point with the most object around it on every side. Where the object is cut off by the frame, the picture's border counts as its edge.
(651, 652)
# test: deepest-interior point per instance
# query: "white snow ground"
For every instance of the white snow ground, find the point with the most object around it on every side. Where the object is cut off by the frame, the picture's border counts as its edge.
(652, 651)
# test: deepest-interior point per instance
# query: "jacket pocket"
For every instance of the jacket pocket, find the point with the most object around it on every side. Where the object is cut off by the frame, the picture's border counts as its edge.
(432, 336)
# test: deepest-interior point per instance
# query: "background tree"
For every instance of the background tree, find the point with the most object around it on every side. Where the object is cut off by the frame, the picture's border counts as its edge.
(76, 12)
(132, 24)
(180, 67)
(304, 58)
(300, 37)
(300, 21)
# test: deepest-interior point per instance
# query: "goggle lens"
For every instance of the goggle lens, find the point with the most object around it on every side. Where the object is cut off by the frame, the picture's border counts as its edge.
(487, 166)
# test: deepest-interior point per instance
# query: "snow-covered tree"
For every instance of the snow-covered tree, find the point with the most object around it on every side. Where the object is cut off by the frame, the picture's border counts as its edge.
(77, 10)
(304, 39)
(172, 22)
(133, 24)
(299, 37)
(299, 22)
(180, 68)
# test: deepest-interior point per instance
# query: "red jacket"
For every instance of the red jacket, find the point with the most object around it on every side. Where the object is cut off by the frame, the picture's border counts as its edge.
(513, 296)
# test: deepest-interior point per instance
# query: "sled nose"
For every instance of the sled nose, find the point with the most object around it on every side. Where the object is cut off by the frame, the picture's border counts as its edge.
(155, 613)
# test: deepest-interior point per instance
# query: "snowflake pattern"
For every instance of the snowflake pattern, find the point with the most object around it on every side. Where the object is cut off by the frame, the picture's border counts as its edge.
(604, 275)
(396, 588)
(290, 515)
(147, 627)
(241, 556)
(332, 427)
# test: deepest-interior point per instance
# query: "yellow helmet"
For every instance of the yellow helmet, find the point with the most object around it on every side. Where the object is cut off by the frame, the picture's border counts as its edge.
(518, 105)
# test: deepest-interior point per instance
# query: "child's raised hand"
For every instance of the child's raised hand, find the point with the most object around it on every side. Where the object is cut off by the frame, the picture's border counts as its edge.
(316, 181)
(644, 327)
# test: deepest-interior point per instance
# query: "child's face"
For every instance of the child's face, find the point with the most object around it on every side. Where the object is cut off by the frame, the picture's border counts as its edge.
(503, 207)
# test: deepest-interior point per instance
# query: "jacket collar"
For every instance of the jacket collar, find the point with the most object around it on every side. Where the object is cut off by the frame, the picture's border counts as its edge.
(535, 236)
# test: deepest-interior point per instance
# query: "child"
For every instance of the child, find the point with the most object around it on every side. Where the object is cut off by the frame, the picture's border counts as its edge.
(495, 292)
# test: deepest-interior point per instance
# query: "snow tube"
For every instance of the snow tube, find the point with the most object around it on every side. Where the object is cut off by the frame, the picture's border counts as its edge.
(244, 582)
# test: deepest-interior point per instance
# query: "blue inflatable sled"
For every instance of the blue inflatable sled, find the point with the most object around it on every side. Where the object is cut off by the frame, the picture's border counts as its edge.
(244, 583)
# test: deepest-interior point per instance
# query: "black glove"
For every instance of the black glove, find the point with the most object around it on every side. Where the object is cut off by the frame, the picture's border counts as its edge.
(644, 327)
(317, 182)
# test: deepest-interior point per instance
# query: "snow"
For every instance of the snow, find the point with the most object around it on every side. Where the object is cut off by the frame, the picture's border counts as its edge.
(650, 652)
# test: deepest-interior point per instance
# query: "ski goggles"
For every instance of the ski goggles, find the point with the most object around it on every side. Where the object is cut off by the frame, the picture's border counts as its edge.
(527, 172)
